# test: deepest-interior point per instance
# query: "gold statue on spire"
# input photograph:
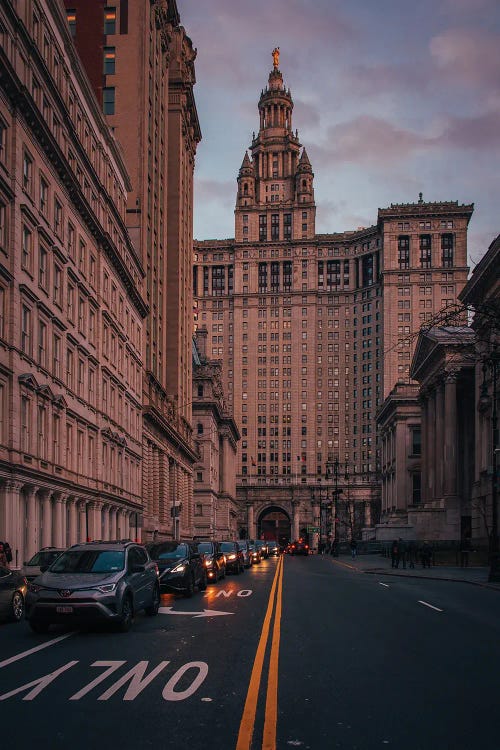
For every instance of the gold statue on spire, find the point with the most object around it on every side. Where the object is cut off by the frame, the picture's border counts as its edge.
(276, 57)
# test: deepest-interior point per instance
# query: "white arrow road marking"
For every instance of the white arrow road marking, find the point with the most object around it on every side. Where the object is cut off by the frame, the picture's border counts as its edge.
(426, 604)
(205, 613)
(383, 584)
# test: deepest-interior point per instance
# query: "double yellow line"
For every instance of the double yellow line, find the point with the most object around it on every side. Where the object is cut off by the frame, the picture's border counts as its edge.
(271, 713)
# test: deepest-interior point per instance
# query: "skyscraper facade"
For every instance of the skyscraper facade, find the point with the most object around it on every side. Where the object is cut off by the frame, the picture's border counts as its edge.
(71, 300)
(141, 65)
(315, 329)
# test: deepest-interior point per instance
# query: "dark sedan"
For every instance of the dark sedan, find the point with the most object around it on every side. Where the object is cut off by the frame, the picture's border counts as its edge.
(215, 562)
(234, 557)
(299, 547)
(181, 567)
(13, 587)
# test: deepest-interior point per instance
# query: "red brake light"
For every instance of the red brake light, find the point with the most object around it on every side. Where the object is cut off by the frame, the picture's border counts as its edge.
(307, 546)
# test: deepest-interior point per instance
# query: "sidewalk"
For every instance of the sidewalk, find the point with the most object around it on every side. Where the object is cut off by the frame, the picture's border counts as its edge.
(377, 564)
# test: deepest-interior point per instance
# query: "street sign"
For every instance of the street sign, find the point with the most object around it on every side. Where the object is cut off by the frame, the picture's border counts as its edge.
(313, 529)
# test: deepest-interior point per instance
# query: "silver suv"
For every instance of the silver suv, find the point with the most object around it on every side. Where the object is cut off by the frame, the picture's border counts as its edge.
(98, 581)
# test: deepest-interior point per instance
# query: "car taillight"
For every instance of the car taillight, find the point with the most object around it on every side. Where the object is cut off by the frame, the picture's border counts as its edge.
(307, 546)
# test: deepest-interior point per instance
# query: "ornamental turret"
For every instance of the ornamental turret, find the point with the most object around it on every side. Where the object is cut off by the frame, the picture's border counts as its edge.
(246, 183)
(304, 180)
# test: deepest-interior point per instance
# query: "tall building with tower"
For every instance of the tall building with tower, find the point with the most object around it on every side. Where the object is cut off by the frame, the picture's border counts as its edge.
(314, 330)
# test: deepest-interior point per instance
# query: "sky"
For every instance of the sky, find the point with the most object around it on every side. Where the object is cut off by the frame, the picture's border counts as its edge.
(391, 98)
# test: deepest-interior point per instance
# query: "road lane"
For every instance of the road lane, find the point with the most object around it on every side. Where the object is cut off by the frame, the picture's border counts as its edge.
(170, 681)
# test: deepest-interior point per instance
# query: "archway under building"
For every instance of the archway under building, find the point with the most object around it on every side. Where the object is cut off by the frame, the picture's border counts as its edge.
(274, 523)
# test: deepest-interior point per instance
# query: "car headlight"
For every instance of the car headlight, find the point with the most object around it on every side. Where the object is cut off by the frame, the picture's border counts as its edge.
(209, 561)
(179, 568)
(231, 557)
(106, 588)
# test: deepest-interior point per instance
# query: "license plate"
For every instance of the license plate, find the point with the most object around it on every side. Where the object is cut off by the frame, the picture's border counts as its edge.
(64, 610)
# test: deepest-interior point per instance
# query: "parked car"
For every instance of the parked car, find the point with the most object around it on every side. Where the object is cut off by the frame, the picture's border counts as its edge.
(215, 562)
(181, 567)
(262, 546)
(97, 581)
(42, 559)
(299, 547)
(13, 588)
(244, 546)
(234, 557)
(273, 548)
(255, 553)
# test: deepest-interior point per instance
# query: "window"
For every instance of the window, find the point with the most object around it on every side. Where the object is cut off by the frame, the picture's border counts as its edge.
(3, 225)
(27, 248)
(416, 441)
(287, 226)
(56, 356)
(416, 485)
(57, 217)
(262, 228)
(26, 330)
(57, 285)
(3, 141)
(42, 268)
(425, 251)
(27, 172)
(404, 251)
(275, 226)
(108, 100)
(44, 196)
(447, 250)
(2, 310)
(71, 19)
(109, 60)
(25, 424)
(42, 344)
(110, 20)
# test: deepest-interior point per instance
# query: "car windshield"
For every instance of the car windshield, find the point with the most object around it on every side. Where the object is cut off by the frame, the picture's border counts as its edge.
(260, 544)
(89, 561)
(227, 546)
(168, 551)
(205, 547)
(44, 558)
(242, 545)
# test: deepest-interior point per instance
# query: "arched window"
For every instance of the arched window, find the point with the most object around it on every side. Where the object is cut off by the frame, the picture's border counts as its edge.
(304, 184)
(200, 391)
(245, 188)
(199, 428)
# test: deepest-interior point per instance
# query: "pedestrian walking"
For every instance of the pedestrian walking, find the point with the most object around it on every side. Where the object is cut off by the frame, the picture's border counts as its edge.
(403, 551)
(354, 548)
(395, 554)
(412, 553)
(464, 551)
(426, 555)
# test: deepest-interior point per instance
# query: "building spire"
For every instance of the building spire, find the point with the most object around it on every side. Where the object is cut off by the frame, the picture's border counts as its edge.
(276, 58)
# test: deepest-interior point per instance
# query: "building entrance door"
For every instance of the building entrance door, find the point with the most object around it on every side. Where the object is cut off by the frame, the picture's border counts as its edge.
(274, 523)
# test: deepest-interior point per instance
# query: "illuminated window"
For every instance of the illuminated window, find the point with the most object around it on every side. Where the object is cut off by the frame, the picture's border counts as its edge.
(110, 20)
(109, 60)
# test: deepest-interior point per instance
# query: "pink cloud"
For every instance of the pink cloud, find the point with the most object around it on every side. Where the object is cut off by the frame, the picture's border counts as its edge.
(369, 80)
(468, 56)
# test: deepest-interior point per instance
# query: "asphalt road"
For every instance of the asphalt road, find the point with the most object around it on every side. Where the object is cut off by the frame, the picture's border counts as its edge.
(306, 654)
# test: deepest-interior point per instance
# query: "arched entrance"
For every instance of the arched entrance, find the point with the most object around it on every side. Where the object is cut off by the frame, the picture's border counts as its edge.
(274, 523)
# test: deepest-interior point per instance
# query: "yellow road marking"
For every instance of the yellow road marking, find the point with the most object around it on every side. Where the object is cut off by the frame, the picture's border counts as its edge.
(248, 718)
(271, 716)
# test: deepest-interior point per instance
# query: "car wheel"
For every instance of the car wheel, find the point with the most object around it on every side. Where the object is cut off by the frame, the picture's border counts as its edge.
(38, 626)
(202, 586)
(189, 591)
(17, 611)
(155, 606)
(127, 616)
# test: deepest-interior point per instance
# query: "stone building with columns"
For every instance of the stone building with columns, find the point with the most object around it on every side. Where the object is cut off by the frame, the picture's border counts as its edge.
(215, 510)
(140, 63)
(314, 330)
(71, 299)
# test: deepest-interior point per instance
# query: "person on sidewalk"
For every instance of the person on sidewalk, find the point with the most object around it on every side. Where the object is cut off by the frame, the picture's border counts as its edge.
(464, 551)
(412, 553)
(426, 555)
(395, 554)
(354, 548)
(403, 551)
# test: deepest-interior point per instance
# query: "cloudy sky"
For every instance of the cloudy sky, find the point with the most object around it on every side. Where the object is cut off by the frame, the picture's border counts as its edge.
(392, 97)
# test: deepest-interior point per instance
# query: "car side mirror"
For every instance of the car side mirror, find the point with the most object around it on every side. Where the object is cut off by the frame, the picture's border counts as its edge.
(43, 568)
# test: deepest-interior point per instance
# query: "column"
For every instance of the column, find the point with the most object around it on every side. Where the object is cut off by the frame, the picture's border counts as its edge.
(431, 437)
(11, 513)
(46, 520)
(250, 521)
(368, 513)
(439, 458)
(425, 451)
(82, 510)
(31, 522)
(112, 523)
(450, 421)
(58, 537)
(295, 518)
(105, 511)
(73, 522)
